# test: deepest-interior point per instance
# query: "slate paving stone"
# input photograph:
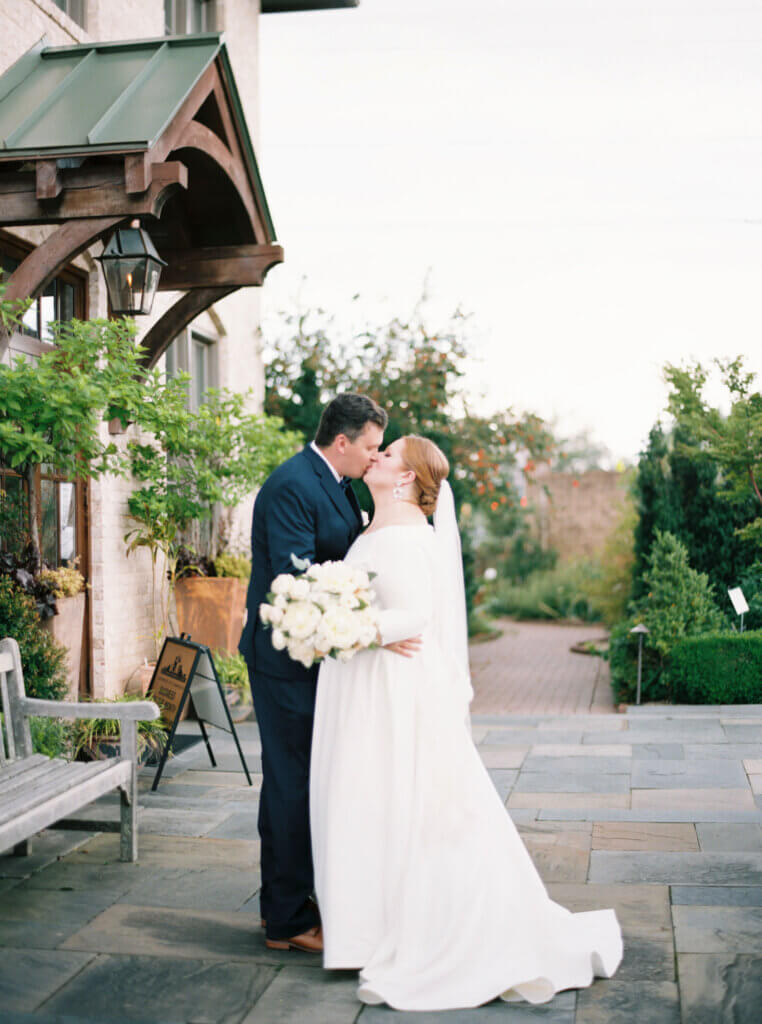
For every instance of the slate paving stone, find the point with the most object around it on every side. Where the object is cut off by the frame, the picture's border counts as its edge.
(529, 737)
(581, 750)
(678, 730)
(559, 1010)
(522, 815)
(650, 751)
(236, 826)
(627, 1002)
(673, 868)
(158, 851)
(229, 761)
(672, 836)
(29, 976)
(185, 934)
(308, 996)
(182, 790)
(166, 821)
(41, 919)
(742, 733)
(109, 880)
(717, 929)
(559, 854)
(172, 990)
(720, 989)
(575, 764)
(214, 777)
(569, 800)
(8, 883)
(588, 723)
(649, 814)
(47, 847)
(571, 782)
(755, 781)
(736, 751)
(717, 895)
(502, 756)
(707, 774)
(642, 910)
(503, 780)
(647, 959)
(729, 837)
(205, 889)
(687, 798)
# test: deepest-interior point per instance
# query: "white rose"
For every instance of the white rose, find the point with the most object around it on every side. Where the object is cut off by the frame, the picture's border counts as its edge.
(282, 583)
(300, 651)
(365, 517)
(340, 628)
(278, 639)
(275, 615)
(264, 612)
(300, 619)
(345, 655)
(336, 577)
(300, 589)
(361, 579)
(349, 600)
(280, 602)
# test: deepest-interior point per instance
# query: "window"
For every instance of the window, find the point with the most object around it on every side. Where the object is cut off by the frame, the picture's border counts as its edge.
(74, 8)
(183, 17)
(63, 299)
(195, 354)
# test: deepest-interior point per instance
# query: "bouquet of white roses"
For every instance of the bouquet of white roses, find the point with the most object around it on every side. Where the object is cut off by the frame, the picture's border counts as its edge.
(325, 612)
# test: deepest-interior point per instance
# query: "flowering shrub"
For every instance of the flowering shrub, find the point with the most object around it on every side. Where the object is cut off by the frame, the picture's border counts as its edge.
(326, 612)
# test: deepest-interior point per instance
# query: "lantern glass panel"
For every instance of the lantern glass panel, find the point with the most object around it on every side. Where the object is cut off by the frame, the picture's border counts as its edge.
(125, 278)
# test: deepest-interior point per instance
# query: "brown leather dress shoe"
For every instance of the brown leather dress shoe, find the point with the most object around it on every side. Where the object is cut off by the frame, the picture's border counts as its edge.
(309, 942)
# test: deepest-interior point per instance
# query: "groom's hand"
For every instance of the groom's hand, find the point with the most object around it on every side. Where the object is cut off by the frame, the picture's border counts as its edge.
(407, 648)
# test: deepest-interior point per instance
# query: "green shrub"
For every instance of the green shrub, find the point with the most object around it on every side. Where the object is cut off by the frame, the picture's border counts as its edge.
(751, 584)
(679, 602)
(42, 659)
(236, 566)
(560, 593)
(51, 737)
(723, 668)
(232, 670)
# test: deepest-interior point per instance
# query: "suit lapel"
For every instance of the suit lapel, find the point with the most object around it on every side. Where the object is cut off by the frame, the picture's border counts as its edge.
(349, 511)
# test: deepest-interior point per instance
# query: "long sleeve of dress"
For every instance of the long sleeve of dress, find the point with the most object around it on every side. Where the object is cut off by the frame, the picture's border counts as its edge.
(405, 588)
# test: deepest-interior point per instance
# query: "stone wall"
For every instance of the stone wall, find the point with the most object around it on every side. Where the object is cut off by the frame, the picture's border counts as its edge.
(578, 513)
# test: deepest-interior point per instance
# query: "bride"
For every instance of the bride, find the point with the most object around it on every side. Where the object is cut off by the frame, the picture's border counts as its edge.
(423, 882)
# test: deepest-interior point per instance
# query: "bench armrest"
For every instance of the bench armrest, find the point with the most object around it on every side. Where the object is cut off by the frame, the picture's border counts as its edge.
(131, 711)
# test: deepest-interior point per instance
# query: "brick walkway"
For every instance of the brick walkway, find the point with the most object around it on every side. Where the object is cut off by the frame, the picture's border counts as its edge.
(530, 670)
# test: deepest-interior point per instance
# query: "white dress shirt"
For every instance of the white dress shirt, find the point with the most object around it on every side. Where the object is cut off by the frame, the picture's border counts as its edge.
(337, 476)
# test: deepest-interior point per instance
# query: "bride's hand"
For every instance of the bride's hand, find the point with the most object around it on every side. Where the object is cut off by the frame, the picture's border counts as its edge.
(407, 648)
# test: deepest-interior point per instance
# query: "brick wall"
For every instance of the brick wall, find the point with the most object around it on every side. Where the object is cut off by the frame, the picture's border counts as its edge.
(579, 513)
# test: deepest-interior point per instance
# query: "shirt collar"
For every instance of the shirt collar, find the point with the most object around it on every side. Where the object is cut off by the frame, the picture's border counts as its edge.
(317, 451)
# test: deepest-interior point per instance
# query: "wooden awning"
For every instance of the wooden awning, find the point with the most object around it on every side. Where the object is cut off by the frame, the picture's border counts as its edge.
(96, 134)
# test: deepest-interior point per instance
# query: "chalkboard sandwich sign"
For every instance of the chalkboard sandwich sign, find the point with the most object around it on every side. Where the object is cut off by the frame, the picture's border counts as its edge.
(185, 671)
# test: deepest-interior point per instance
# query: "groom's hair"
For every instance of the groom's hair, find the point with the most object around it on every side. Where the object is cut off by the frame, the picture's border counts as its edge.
(348, 414)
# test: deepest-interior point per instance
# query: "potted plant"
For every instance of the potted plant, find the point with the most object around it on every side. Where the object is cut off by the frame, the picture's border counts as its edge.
(94, 739)
(234, 678)
(67, 585)
(210, 607)
(191, 462)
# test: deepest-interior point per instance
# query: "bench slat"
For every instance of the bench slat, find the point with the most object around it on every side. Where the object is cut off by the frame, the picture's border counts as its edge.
(7, 771)
(56, 784)
(6, 661)
(116, 773)
(33, 774)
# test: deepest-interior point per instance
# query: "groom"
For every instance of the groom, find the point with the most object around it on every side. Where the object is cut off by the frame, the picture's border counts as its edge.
(305, 508)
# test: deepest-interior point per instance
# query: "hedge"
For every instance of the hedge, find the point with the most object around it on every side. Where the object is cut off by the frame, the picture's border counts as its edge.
(717, 668)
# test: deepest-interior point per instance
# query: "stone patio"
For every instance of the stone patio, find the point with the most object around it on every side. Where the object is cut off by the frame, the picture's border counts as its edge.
(655, 813)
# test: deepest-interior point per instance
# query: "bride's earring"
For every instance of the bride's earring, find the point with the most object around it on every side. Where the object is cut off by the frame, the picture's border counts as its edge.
(397, 492)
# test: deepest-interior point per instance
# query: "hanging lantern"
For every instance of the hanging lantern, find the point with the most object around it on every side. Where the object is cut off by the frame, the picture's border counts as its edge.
(132, 268)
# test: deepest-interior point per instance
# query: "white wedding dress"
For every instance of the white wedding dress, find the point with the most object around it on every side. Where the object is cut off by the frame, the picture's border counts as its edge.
(422, 880)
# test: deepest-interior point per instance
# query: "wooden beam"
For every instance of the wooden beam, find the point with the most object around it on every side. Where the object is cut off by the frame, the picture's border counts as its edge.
(176, 319)
(47, 179)
(33, 274)
(198, 136)
(223, 266)
(85, 192)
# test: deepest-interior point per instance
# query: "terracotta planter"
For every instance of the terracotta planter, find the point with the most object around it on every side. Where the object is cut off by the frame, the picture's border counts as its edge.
(67, 628)
(210, 609)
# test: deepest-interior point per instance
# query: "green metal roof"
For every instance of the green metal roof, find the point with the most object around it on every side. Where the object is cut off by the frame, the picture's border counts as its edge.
(98, 97)
(59, 101)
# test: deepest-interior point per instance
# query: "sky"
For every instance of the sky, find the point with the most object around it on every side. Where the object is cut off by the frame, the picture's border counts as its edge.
(584, 177)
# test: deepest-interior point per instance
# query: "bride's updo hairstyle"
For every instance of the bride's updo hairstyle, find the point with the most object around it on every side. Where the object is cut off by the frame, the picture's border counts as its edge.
(430, 466)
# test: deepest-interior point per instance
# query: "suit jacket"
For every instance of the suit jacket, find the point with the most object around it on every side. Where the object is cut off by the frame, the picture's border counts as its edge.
(301, 509)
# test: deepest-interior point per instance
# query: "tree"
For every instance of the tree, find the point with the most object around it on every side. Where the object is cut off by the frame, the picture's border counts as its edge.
(52, 411)
(733, 441)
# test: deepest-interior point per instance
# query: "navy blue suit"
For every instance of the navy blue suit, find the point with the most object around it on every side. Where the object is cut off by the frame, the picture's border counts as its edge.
(301, 509)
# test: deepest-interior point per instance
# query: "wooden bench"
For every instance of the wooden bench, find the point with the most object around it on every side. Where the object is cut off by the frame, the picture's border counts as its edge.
(36, 791)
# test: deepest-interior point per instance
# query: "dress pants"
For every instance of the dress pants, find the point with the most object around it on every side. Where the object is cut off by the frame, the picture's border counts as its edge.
(285, 710)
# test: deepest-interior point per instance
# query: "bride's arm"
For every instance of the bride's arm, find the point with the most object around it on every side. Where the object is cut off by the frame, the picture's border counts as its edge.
(408, 599)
